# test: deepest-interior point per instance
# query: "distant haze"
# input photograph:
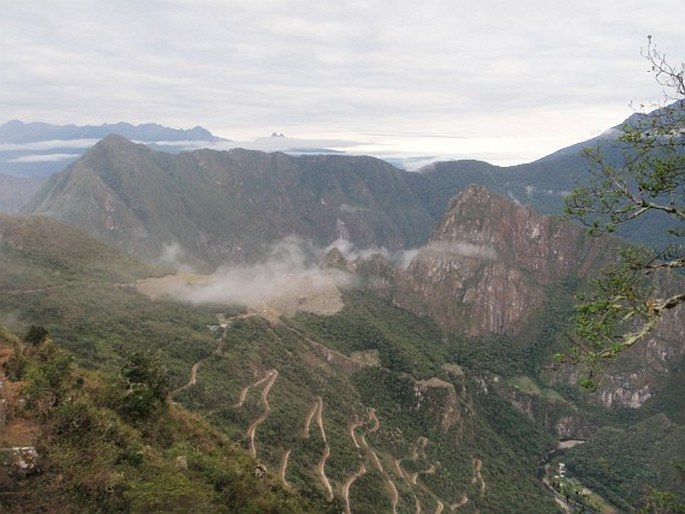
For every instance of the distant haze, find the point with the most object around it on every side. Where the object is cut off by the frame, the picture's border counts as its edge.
(499, 81)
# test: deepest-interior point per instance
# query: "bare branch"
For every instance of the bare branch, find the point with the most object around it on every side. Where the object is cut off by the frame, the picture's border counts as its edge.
(630, 339)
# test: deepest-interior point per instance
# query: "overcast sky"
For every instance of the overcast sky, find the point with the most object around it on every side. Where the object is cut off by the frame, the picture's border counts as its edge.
(499, 80)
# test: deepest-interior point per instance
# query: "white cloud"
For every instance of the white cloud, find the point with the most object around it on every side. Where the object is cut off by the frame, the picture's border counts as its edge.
(338, 69)
(399, 258)
(290, 271)
(47, 145)
(461, 249)
(50, 157)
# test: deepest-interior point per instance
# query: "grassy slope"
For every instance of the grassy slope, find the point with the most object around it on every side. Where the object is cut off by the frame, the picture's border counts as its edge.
(95, 457)
(81, 291)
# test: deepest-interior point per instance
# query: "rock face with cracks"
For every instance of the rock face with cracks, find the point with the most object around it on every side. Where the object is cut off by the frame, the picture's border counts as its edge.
(487, 264)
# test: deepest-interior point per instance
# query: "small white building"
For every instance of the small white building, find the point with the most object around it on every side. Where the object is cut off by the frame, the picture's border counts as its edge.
(561, 470)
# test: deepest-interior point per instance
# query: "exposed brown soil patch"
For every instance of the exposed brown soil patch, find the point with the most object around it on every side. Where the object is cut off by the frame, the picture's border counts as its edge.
(19, 432)
(305, 292)
(477, 478)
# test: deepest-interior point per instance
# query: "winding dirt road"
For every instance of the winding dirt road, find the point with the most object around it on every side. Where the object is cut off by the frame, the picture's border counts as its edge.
(464, 500)
(282, 468)
(270, 378)
(376, 422)
(308, 419)
(352, 427)
(326, 450)
(192, 380)
(319, 418)
(394, 495)
(246, 389)
(477, 464)
(348, 483)
(321, 471)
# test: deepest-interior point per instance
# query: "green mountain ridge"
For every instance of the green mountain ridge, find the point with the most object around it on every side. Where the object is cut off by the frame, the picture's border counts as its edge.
(101, 320)
(217, 207)
(230, 206)
(374, 405)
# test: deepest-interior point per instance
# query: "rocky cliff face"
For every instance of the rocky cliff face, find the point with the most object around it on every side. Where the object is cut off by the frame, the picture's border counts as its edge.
(491, 266)
(486, 266)
(648, 368)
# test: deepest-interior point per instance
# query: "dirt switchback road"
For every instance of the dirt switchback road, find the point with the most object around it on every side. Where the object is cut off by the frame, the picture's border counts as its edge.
(271, 377)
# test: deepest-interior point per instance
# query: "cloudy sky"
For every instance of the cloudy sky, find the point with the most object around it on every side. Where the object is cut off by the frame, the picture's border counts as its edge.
(498, 80)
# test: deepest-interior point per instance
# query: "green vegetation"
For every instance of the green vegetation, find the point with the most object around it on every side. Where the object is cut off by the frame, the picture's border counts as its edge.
(619, 463)
(96, 454)
(649, 181)
(405, 343)
(106, 392)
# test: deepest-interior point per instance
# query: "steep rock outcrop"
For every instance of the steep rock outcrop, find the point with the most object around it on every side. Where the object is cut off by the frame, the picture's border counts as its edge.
(449, 412)
(488, 262)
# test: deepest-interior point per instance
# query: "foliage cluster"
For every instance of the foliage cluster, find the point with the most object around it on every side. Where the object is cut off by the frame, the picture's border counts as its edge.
(620, 463)
(98, 455)
(648, 181)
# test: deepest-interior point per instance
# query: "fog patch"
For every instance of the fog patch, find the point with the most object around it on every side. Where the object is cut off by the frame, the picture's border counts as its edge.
(50, 157)
(175, 256)
(287, 281)
(351, 209)
(513, 198)
(406, 257)
(398, 258)
(461, 249)
(532, 190)
(48, 145)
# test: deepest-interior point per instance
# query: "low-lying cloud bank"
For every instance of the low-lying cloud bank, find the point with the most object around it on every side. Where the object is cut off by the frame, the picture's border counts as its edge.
(289, 279)
(460, 249)
(399, 259)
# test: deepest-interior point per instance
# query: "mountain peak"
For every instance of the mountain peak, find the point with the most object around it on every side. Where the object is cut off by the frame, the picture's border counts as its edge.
(115, 143)
(497, 256)
(475, 192)
(115, 139)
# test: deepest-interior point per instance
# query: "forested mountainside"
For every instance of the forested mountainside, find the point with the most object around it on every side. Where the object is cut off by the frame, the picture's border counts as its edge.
(77, 440)
(342, 388)
(229, 206)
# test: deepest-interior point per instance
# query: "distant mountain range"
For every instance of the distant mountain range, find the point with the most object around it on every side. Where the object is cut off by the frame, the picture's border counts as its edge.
(18, 132)
(40, 149)
(231, 206)
(286, 201)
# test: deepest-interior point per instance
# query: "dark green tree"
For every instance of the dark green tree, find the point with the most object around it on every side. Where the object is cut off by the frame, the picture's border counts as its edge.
(36, 335)
(626, 302)
(146, 385)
